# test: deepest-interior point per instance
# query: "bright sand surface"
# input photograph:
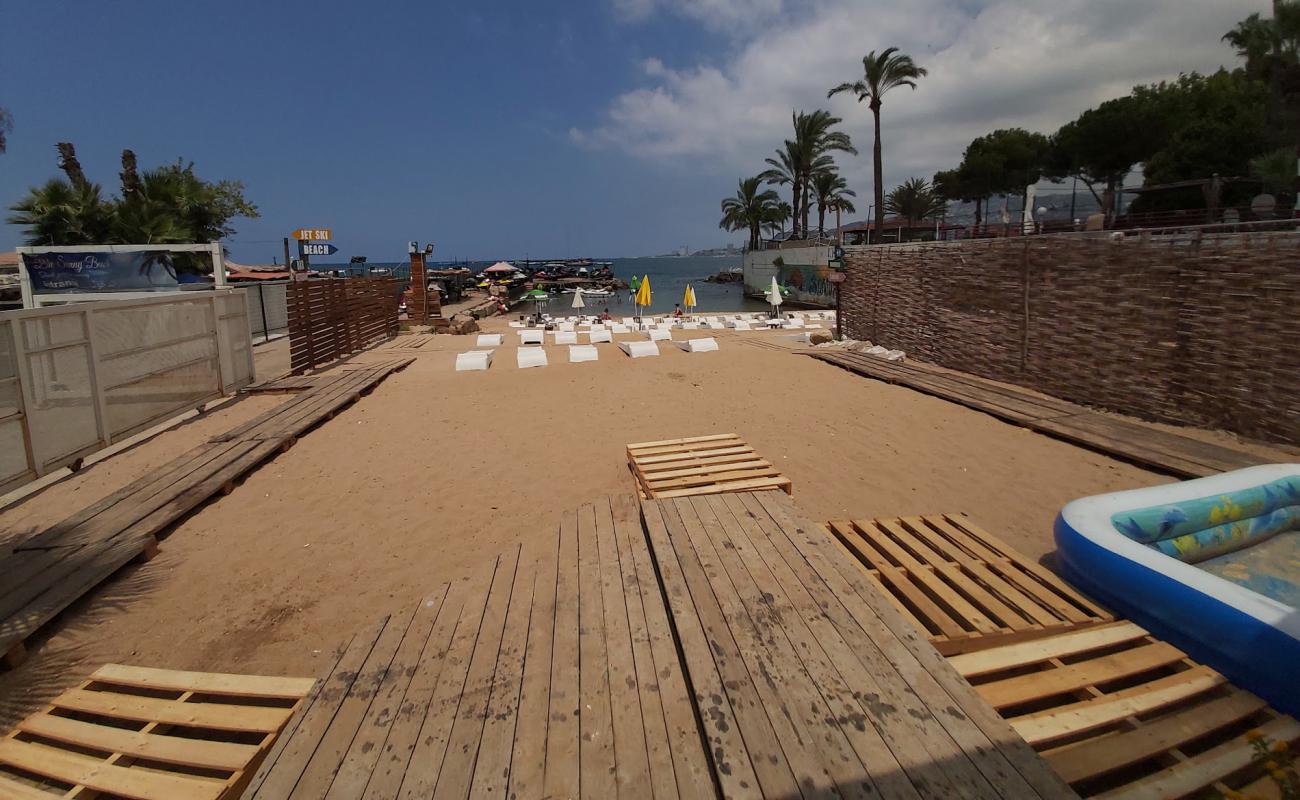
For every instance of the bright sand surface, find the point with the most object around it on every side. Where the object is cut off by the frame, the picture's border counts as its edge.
(436, 471)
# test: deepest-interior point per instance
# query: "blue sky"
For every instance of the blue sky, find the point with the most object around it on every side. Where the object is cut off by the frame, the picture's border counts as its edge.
(504, 128)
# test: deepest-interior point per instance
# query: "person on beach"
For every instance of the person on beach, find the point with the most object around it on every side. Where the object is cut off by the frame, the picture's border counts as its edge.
(677, 309)
(604, 315)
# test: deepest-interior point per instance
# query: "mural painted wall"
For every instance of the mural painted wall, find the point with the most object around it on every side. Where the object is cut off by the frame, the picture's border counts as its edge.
(801, 273)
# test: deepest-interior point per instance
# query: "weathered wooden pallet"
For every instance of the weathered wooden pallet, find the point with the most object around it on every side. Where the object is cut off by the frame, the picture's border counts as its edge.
(149, 734)
(961, 585)
(701, 465)
(1120, 714)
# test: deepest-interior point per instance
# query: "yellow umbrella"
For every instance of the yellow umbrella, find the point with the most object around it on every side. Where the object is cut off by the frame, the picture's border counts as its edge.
(688, 299)
(643, 293)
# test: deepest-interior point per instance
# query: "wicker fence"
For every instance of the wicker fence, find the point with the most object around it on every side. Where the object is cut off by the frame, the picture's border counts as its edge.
(334, 317)
(1201, 330)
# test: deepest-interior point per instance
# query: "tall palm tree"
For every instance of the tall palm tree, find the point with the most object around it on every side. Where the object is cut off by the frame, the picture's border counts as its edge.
(880, 73)
(815, 139)
(784, 171)
(915, 200)
(778, 216)
(750, 209)
(832, 193)
(61, 214)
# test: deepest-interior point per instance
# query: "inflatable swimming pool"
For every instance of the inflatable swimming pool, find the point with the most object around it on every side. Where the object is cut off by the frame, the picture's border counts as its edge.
(1210, 565)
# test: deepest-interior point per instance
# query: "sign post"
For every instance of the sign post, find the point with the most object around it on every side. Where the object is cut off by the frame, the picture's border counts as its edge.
(836, 277)
(306, 248)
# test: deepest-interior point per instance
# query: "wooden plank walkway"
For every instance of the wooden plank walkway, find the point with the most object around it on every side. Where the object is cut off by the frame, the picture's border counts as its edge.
(701, 465)
(553, 674)
(1147, 446)
(963, 587)
(152, 734)
(48, 571)
(689, 647)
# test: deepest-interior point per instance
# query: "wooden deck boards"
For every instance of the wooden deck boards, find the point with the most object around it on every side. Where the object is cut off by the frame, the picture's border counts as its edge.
(1167, 452)
(701, 465)
(688, 647)
(47, 572)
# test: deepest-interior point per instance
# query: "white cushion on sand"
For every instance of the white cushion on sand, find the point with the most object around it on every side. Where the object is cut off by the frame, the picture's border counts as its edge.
(639, 349)
(792, 323)
(618, 327)
(805, 338)
(565, 326)
(658, 334)
(740, 325)
(582, 352)
(488, 340)
(704, 345)
(601, 336)
(690, 326)
(566, 337)
(473, 360)
(516, 323)
(629, 320)
(714, 324)
(532, 336)
(527, 357)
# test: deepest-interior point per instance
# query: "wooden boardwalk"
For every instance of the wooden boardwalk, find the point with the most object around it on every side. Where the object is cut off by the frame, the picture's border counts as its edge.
(691, 647)
(50, 570)
(1145, 445)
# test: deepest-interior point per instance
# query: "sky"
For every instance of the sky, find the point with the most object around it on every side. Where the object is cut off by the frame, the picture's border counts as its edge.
(512, 128)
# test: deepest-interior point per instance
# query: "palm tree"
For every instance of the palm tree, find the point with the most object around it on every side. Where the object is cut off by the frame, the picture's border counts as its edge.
(60, 214)
(778, 215)
(749, 209)
(832, 193)
(784, 171)
(815, 139)
(880, 73)
(915, 200)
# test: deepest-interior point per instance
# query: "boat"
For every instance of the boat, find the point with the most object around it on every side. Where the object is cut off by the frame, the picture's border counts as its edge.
(1211, 565)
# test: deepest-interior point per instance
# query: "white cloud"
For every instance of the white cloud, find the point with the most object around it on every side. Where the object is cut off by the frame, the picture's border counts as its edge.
(1002, 63)
(735, 16)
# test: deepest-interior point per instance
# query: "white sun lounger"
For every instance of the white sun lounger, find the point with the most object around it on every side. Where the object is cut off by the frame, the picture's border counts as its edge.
(705, 345)
(618, 327)
(514, 323)
(740, 325)
(639, 349)
(527, 357)
(488, 340)
(566, 337)
(658, 334)
(713, 324)
(600, 336)
(690, 326)
(532, 336)
(473, 360)
(629, 320)
(792, 323)
(582, 352)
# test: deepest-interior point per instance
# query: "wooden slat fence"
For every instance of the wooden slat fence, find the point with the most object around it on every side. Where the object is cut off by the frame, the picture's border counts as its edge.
(335, 317)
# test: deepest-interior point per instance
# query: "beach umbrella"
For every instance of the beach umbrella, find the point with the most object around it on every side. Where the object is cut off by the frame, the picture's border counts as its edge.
(577, 299)
(774, 296)
(500, 266)
(643, 296)
(537, 297)
(688, 299)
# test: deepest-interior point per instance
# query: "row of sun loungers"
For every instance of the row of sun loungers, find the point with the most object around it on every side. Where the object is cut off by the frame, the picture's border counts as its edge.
(532, 356)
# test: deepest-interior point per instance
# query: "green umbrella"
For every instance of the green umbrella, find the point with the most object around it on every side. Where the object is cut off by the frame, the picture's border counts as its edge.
(537, 296)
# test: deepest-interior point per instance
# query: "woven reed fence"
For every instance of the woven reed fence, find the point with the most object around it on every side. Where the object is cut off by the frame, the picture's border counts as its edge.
(334, 317)
(1201, 330)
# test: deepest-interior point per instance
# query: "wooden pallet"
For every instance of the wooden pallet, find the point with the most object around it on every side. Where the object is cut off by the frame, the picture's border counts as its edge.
(962, 586)
(1120, 714)
(149, 733)
(701, 465)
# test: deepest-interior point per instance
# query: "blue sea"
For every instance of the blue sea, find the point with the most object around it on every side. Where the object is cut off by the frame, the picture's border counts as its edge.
(668, 279)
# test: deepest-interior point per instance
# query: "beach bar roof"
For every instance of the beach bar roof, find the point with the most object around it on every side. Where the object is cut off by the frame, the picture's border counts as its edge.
(500, 266)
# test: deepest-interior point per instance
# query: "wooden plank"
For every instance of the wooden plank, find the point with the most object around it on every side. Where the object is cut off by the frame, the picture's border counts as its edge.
(204, 682)
(562, 732)
(972, 665)
(631, 766)
(597, 765)
(750, 485)
(737, 761)
(528, 762)
(95, 774)
(216, 755)
(668, 460)
(1072, 677)
(1003, 758)
(370, 741)
(13, 790)
(1088, 715)
(659, 669)
(677, 445)
(1099, 756)
(218, 716)
(798, 633)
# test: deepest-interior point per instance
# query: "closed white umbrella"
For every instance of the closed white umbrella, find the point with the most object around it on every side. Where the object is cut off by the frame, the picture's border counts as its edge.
(577, 299)
(774, 295)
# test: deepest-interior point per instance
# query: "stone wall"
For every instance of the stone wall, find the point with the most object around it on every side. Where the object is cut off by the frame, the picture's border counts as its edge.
(1201, 330)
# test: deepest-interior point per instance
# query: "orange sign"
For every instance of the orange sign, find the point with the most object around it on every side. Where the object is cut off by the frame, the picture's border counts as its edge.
(313, 234)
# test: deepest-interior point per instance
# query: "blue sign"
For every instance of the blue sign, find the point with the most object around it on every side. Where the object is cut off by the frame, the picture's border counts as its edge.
(101, 272)
(309, 249)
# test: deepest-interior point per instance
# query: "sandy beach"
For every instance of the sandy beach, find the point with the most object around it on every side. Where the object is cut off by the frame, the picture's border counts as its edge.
(437, 470)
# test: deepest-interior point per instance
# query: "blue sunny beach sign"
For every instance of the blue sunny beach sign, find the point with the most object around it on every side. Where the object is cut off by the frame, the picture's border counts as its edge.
(101, 272)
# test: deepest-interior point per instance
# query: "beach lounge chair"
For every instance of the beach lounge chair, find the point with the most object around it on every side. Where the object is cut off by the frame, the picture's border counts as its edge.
(640, 349)
(566, 337)
(582, 352)
(527, 357)
(705, 344)
(488, 340)
(532, 336)
(690, 326)
(565, 326)
(713, 324)
(793, 322)
(658, 334)
(515, 324)
(599, 336)
(618, 327)
(741, 325)
(473, 360)
(629, 320)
